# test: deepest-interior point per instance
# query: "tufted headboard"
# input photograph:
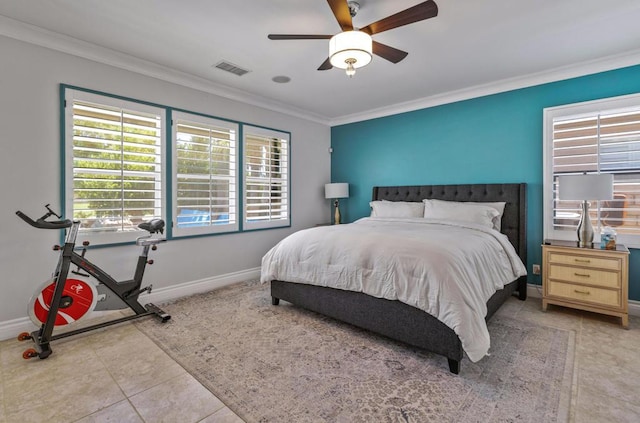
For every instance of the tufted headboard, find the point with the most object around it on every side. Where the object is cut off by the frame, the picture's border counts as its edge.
(514, 218)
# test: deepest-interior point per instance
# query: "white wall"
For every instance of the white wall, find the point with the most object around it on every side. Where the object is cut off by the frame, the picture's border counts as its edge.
(30, 174)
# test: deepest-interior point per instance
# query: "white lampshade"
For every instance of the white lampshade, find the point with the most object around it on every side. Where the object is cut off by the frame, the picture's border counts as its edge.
(336, 190)
(350, 46)
(586, 187)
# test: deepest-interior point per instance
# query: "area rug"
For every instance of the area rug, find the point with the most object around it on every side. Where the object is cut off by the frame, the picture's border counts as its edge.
(284, 364)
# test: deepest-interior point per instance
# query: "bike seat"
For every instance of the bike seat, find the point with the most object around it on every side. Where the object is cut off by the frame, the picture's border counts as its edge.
(153, 226)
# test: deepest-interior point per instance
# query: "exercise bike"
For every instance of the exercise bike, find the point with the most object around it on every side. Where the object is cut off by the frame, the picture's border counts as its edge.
(63, 301)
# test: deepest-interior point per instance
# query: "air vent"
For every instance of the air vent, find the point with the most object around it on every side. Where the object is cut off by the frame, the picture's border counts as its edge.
(230, 67)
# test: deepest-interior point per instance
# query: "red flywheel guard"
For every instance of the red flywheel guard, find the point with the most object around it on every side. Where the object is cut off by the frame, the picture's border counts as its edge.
(83, 297)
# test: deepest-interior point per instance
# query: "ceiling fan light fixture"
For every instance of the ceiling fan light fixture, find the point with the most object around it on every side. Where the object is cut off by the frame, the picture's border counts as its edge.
(350, 50)
(350, 69)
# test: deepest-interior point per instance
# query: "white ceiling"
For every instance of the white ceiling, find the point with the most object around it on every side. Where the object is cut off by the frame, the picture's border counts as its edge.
(469, 45)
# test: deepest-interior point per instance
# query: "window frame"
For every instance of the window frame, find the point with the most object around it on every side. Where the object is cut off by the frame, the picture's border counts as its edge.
(168, 189)
(578, 110)
(72, 94)
(269, 133)
(208, 121)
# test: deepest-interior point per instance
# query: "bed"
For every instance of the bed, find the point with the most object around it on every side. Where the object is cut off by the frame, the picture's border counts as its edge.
(394, 318)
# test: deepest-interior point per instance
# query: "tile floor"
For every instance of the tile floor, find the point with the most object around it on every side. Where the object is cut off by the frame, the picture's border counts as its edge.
(119, 375)
(112, 375)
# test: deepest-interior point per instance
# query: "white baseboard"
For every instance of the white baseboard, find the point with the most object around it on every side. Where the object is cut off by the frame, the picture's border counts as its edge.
(161, 295)
(11, 328)
(535, 291)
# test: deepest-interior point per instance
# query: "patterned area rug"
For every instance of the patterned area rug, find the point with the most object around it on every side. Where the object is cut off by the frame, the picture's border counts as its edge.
(284, 364)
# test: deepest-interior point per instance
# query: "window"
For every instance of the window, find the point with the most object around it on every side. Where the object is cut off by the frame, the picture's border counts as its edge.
(205, 176)
(123, 165)
(113, 165)
(595, 137)
(266, 178)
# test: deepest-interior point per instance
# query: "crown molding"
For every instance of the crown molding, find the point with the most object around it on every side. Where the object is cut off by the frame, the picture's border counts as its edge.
(558, 74)
(35, 35)
(32, 34)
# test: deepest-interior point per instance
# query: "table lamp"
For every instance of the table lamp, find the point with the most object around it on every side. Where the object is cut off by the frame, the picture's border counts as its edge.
(584, 188)
(335, 191)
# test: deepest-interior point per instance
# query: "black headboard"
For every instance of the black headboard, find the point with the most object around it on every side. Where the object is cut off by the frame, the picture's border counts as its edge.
(514, 219)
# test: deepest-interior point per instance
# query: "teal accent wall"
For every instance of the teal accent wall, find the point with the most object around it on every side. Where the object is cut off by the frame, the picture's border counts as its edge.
(490, 139)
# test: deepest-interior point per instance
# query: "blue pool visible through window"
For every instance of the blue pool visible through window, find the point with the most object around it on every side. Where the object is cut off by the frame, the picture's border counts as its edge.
(194, 218)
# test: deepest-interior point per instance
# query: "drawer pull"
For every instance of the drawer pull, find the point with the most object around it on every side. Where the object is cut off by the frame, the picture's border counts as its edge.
(581, 292)
(583, 260)
(583, 275)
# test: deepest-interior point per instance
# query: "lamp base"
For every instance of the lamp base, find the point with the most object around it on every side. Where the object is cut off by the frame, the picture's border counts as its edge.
(336, 216)
(585, 229)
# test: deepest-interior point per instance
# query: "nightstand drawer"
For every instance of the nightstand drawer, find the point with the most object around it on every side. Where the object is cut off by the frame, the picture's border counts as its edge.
(588, 294)
(586, 278)
(585, 261)
(584, 275)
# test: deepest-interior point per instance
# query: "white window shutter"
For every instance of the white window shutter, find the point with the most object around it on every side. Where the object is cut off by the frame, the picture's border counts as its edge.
(605, 140)
(205, 176)
(266, 178)
(116, 166)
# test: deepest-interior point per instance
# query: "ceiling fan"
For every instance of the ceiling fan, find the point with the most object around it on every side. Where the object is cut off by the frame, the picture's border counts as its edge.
(353, 48)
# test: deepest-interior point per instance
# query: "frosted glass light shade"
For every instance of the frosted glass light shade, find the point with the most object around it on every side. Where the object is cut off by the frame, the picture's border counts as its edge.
(350, 46)
(336, 190)
(586, 187)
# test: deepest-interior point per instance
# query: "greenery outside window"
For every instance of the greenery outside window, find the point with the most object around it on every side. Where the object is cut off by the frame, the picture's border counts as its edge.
(601, 136)
(124, 163)
(266, 178)
(113, 165)
(205, 196)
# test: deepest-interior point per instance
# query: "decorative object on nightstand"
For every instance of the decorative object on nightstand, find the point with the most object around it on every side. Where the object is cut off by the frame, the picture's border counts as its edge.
(335, 191)
(583, 188)
(608, 237)
(589, 279)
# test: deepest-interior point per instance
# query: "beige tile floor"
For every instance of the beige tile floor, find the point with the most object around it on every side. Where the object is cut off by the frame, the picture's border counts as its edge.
(119, 375)
(111, 375)
(607, 360)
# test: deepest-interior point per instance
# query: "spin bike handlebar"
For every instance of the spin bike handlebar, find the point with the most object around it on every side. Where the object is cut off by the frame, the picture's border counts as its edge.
(41, 223)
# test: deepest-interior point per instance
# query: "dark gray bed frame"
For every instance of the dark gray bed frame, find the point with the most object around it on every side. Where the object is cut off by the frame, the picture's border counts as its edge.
(411, 325)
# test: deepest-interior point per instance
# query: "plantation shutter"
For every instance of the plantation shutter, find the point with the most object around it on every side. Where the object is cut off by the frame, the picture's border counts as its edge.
(266, 178)
(116, 166)
(604, 142)
(206, 172)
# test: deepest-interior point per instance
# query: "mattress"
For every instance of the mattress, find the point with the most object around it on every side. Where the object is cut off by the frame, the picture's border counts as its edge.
(445, 268)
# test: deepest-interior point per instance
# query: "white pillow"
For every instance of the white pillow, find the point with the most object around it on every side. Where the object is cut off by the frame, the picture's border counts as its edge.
(499, 206)
(396, 209)
(461, 212)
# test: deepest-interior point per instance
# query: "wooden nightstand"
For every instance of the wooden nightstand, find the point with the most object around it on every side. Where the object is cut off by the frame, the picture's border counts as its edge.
(586, 278)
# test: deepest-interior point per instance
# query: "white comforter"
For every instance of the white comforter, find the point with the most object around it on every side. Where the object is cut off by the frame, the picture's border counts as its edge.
(447, 269)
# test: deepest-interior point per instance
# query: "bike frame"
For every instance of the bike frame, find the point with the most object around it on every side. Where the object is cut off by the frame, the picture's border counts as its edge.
(128, 290)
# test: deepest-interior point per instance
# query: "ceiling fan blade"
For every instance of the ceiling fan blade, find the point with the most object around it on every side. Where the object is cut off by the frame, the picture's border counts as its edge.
(326, 65)
(341, 11)
(387, 52)
(419, 12)
(298, 37)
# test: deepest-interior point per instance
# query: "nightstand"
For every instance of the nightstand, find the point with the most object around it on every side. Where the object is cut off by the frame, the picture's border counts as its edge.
(586, 278)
